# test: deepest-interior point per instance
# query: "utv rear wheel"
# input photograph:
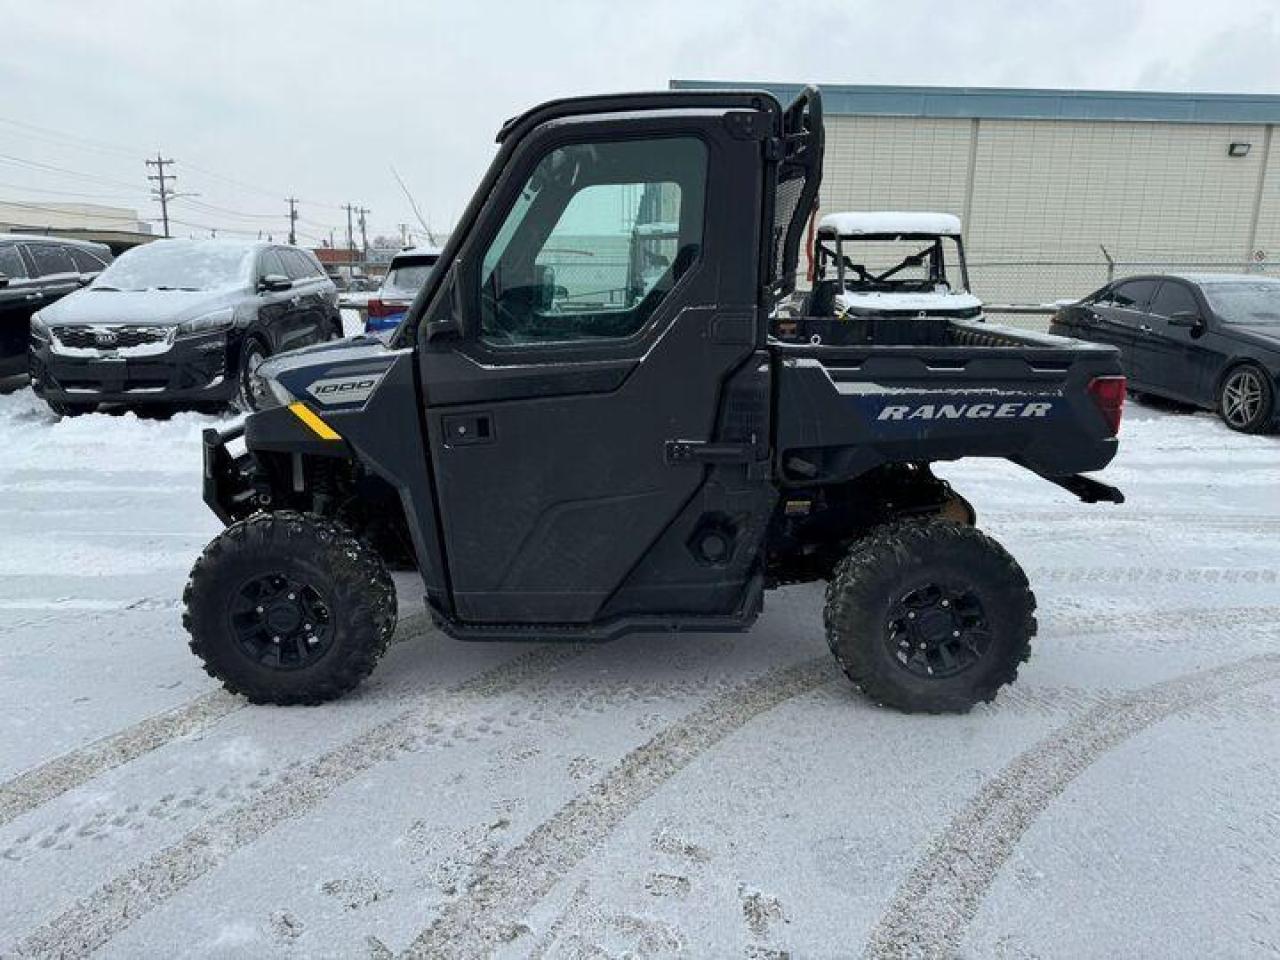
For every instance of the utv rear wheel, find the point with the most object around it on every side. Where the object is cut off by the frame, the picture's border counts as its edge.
(289, 608)
(929, 617)
(1246, 399)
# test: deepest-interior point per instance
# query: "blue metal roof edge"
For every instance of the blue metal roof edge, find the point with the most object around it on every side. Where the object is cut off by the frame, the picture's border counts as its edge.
(999, 103)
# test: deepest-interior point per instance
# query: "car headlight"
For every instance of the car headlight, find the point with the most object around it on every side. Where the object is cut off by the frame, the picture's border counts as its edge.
(219, 321)
(40, 329)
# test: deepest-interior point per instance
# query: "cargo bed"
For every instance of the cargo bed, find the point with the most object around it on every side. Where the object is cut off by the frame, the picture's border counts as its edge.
(931, 389)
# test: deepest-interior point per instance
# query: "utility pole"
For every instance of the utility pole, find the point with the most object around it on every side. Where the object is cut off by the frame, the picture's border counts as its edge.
(162, 192)
(351, 240)
(364, 236)
(404, 234)
(293, 219)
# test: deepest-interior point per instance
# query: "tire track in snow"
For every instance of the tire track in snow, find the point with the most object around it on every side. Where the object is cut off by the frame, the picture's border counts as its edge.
(933, 907)
(504, 890)
(120, 902)
(34, 788)
(1160, 620)
(50, 780)
(1183, 521)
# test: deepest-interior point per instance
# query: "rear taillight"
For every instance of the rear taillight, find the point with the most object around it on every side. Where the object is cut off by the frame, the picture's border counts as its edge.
(379, 309)
(1108, 395)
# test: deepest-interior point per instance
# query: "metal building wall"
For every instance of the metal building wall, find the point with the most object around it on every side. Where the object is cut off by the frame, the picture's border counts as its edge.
(1040, 198)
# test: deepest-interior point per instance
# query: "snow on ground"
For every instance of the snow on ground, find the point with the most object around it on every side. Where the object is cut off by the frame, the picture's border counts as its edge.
(724, 796)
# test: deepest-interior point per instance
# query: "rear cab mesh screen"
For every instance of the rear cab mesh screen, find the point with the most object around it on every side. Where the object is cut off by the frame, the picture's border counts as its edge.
(799, 176)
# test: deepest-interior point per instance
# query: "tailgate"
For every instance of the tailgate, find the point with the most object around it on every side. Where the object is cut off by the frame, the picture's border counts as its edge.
(845, 410)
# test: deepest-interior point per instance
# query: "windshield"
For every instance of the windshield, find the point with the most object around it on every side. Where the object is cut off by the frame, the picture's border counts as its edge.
(178, 265)
(888, 264)
(408, 279)
(1256, 304)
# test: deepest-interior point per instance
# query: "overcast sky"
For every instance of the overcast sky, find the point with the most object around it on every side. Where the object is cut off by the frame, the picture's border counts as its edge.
(257, 100)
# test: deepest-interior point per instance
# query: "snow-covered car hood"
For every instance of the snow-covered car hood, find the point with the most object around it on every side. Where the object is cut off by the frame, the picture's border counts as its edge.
(939, 303)
(140, 307)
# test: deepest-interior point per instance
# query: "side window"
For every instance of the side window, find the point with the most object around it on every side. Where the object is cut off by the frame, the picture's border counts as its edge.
(1174, 298)
(269, 263)
(85, 261)
(1102, 298)
(595, 242)
(11, 264)
(50, 259)
(295, 264)
(1133, 294)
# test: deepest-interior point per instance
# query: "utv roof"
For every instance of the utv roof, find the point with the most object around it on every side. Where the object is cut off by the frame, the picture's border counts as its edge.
(617, 102)
(889, 222)
(408, 252)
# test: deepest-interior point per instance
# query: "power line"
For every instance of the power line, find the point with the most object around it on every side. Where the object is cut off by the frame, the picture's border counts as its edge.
(74, 193)
(66, 171)
(88, 143)
(69, 139)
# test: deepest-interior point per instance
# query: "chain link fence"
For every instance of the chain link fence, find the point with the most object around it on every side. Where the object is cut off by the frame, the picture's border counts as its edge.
(1024, 291)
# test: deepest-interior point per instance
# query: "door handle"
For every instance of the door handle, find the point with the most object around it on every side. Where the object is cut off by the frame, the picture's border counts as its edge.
(35, 296)
(466, 429)
(1144, 328)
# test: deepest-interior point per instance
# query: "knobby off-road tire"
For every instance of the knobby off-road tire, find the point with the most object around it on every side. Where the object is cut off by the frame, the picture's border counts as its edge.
(929, 616)
(289, 608)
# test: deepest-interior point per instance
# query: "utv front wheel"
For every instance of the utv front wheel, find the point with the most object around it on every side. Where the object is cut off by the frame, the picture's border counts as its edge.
(929, 617)
(289, 608)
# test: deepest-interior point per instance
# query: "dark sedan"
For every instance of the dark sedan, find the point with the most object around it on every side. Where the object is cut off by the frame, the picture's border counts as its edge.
(1211, 340)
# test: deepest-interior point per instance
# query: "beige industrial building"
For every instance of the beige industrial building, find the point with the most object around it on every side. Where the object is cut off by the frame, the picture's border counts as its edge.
(118, 227)
(1051, 185)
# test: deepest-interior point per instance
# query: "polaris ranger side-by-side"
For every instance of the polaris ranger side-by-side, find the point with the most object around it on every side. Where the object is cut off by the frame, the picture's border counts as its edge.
(882, 265)
(639, 449)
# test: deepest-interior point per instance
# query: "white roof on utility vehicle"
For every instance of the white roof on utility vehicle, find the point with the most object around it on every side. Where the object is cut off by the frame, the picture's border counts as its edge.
(874, 222)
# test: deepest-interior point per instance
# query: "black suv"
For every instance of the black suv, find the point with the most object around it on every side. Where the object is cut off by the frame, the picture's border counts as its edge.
(35, 272)
(181, 321)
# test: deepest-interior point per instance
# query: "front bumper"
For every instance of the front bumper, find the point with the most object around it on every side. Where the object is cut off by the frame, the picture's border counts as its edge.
(228, 489)
(193, 370)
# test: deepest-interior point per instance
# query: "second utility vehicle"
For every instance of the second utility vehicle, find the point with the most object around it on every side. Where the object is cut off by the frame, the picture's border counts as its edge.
(652, 458)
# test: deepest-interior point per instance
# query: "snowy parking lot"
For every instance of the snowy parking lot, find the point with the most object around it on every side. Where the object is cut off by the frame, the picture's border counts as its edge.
(713, 796)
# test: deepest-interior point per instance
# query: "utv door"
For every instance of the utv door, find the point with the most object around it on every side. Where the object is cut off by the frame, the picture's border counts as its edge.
(608, 298)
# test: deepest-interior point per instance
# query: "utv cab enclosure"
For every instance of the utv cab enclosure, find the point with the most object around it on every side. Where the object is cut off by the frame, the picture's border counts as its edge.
(588, 425)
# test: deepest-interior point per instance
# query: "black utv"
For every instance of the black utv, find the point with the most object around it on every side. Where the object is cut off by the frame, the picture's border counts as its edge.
(588, 425)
